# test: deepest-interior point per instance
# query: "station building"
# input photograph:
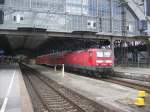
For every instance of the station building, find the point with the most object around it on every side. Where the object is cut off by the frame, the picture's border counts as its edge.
(113, 17)
(126, 23)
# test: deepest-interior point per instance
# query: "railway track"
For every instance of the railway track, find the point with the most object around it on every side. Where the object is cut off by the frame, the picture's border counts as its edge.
(50, 99)
(121, 81)
(35, 98)
(48, 96)
(129, 83)
(132, 84)
(136, 85)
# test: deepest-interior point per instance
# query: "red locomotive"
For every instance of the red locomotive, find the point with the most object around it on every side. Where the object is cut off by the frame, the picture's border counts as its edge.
(92, 61)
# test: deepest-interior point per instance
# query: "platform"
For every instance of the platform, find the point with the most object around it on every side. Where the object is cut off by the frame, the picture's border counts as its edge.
(141, 74)
(13, 93)
(102, 92)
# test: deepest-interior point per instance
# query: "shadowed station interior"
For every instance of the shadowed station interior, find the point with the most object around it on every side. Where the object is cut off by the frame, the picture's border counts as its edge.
(129, 50)
(74, 56)
(34, 46)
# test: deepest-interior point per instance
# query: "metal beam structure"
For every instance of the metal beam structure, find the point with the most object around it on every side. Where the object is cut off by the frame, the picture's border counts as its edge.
(102, 16)
(69, 35)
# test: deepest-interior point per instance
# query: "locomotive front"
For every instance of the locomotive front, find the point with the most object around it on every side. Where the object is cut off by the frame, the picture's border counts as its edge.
(104, 60)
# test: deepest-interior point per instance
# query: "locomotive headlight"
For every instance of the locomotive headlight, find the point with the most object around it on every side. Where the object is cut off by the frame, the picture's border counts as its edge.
(99, 61)
(108, 61)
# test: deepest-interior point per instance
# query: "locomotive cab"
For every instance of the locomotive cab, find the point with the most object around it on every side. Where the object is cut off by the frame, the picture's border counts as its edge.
(104, 58)
(104, 62)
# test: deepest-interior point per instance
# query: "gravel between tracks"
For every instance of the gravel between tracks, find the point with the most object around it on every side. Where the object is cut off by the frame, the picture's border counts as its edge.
(57, 98)
(46, 98)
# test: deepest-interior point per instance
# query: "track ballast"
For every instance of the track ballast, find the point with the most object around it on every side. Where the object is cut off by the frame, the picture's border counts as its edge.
(49, 96)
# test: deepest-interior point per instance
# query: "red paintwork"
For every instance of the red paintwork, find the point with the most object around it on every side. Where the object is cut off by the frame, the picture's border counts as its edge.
(42, 59)
(53, 59)
(86, 58)
(82, 58)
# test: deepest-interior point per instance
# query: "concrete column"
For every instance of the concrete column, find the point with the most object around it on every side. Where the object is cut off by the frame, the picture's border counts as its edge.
(148, 53)
(63, 70)
(112, 48)
(111, 16)
(55, 69)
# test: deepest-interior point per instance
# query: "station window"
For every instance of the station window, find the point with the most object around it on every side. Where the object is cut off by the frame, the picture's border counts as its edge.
(18, 18)
(89, 23)
(21, 18)
(15, 18)
(94, 24)
(127, 28)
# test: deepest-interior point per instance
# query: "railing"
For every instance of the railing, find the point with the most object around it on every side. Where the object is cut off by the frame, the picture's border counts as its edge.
(141, 63)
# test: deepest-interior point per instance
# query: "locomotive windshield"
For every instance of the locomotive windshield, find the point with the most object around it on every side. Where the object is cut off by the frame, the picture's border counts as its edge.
(103, 54)
(107, 54)
(99, 54)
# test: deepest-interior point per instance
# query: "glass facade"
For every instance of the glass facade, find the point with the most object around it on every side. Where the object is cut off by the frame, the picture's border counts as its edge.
(69, 15)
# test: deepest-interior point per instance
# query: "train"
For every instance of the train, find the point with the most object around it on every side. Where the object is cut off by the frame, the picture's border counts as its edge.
(93, 61)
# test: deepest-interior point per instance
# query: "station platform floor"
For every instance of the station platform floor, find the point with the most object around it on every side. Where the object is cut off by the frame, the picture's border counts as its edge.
(114, 95)
(142, 74)
(13, 93)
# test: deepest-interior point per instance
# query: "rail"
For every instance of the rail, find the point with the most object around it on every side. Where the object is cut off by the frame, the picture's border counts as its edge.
(53, 97)
(128, 83)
